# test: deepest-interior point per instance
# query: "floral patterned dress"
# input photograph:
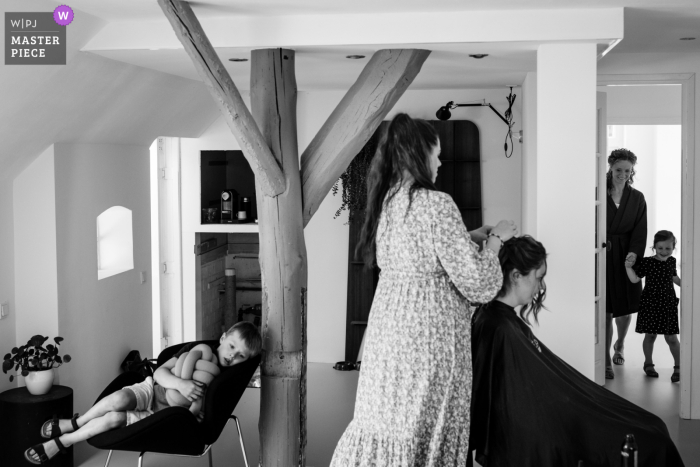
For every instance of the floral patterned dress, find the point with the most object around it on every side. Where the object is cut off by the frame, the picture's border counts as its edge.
(413, 397)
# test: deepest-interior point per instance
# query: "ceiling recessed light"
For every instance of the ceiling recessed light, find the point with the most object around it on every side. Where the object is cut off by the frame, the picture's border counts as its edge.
(237, 59)
(354, 57)
(687, 38)
(478, 55)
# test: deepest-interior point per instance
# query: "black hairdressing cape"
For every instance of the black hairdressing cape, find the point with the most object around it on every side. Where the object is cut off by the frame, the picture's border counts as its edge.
(626, 233)
(531, 409)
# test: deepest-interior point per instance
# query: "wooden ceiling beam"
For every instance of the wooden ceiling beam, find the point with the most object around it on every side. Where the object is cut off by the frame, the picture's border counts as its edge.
(382, 82)
(188, 30)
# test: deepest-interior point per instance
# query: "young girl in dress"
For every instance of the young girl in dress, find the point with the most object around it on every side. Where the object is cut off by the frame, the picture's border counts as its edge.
(658, 309)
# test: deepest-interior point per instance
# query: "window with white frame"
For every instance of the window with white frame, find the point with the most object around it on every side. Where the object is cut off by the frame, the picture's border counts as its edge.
(115, 242)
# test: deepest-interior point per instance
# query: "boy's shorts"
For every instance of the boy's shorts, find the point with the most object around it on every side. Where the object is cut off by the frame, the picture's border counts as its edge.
(144, 401)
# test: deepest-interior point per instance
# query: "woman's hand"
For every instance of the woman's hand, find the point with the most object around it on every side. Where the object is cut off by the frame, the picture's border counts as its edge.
(629, 263)
(480, 234)
(505, 230)
(631, 257)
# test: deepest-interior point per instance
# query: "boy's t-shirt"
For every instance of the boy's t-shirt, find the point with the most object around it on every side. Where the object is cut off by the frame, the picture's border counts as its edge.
(159, 400)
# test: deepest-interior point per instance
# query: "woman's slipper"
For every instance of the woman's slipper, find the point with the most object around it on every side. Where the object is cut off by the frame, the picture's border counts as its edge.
(618, 358)
(609, 373)
(39, 451)
(676, 376)
(55, 429)
(649, 370)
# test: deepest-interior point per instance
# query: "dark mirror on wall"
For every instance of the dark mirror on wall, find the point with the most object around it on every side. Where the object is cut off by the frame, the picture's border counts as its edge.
(227, 171)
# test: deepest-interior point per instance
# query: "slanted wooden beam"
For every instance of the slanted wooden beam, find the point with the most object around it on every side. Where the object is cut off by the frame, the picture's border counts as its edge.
(190, 33)
(353, 122)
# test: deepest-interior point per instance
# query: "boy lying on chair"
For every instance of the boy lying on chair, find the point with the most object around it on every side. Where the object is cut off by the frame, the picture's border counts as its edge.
(138, 401)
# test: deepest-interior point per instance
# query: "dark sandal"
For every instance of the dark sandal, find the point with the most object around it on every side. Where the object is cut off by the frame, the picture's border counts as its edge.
(39, 450)
(650, 371)
(676, 376)
(55, 429)
(618, 358)
(609, 373)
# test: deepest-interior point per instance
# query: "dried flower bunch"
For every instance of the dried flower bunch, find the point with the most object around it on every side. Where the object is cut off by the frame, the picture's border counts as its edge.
(34, 356)
(354, 181)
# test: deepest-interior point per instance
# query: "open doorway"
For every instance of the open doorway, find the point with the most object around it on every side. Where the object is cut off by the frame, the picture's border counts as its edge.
(646, 115)
(658, 177)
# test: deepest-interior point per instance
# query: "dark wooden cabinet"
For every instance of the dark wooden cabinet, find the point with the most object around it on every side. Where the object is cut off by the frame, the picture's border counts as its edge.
(460, 173)
(460, 177)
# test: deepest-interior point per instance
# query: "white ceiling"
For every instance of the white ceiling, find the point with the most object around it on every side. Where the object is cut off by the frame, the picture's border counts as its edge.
(649, 26)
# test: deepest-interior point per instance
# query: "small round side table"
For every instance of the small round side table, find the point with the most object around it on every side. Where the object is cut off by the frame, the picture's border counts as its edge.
(21, 417)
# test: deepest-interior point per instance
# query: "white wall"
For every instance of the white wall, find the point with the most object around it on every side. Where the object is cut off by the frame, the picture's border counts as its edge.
(327, 238)
(566, 138)
(7, 276)
(529, 165)
(643, 105)
(100, 320)
(36, 286)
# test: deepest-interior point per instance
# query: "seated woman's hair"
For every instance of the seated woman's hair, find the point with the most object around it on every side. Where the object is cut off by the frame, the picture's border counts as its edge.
(523, 254)
(403, 148)
(249, 334)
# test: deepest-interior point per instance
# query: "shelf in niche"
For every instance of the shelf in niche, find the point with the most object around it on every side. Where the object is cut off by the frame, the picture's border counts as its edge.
(228, 228)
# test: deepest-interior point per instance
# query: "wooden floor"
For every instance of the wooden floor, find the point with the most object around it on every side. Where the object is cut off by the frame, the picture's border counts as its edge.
(331, 402)
(657, 395)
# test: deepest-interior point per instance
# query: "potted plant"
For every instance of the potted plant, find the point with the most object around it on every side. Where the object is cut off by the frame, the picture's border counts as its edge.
(36, 362)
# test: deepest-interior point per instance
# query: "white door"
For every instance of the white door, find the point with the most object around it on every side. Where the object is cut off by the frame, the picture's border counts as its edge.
(600, 234)
(170, 245)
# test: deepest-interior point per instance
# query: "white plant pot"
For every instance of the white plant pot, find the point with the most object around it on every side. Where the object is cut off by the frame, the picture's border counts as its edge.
(39, 382)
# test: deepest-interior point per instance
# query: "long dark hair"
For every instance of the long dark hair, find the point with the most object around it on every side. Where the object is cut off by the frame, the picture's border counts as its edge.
(617, 155)
(403, 148)
(523, 254)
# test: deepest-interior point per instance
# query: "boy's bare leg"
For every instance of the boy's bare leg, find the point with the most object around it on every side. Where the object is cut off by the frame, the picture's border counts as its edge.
(118, 401)
(103, 419)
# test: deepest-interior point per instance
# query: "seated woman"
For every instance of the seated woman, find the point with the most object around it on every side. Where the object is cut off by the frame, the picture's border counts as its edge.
(530, 408)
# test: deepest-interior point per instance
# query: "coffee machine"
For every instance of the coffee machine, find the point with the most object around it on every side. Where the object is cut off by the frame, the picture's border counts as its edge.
(229, 206)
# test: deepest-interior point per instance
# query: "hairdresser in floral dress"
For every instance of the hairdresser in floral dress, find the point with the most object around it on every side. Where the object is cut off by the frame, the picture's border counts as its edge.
(413, 397)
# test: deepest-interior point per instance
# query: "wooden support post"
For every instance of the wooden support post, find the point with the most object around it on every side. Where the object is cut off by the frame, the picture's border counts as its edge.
(268, 174)
(283, 266)
(382, 82)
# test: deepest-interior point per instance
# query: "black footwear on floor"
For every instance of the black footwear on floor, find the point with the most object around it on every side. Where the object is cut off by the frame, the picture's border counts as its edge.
(676, 376)
(650, 371)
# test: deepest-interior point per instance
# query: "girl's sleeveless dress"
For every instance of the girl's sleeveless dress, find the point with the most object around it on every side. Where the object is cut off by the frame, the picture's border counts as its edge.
(658, 307)
(414, 391)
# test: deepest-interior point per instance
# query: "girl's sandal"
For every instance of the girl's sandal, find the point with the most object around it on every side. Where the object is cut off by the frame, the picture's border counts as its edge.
(649, 370)
(55, 429)
(609, 373)
(39, 450)
(676, 376)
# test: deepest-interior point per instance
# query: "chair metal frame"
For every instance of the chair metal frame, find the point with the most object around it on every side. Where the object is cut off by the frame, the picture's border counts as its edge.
(207, 448)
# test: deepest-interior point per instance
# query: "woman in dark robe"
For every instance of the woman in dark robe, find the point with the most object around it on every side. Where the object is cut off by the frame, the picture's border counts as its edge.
(626, 238)
(529, 407)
